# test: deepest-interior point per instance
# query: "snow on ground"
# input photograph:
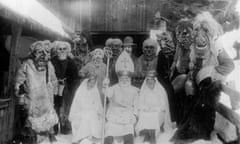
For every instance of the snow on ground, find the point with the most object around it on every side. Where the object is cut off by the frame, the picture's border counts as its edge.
(163, 139)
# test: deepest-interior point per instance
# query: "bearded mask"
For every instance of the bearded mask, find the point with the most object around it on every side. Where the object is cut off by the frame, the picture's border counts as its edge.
(166, 43)
(149, 49)
(40, 55)
(184, 34)
(116, 47)
(62, 49)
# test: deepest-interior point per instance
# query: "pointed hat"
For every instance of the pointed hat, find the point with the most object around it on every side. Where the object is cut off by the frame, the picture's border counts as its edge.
(124, 63)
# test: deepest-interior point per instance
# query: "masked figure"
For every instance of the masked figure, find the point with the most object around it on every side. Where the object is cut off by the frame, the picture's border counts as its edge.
(38, 78)
(146, 62)
(116, 51)
(209, 65)
(86, 112)
(165, 56)
(153, 109)
(180, 67)
(82, 46)
(97, 66)
(129, 47)
(122, 108)
(184, 42)
(67, 75)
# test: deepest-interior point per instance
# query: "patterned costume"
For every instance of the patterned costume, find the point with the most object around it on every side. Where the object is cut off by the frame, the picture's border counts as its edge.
(38, 77)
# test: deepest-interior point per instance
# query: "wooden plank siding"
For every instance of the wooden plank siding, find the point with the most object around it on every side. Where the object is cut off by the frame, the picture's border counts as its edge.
(113, 16)
(117, 15)
(7, 105)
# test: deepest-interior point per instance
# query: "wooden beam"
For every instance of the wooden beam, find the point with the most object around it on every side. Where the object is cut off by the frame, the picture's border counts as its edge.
(15, 44)
(232, 116)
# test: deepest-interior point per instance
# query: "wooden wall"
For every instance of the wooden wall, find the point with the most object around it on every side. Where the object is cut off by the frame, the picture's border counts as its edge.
(117, 15)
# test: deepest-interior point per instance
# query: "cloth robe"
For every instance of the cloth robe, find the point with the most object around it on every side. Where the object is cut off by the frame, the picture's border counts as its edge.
(153, 108)
(86, 113)
(122, 110)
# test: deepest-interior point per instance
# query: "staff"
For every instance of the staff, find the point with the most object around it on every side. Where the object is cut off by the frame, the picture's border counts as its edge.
(108, 53)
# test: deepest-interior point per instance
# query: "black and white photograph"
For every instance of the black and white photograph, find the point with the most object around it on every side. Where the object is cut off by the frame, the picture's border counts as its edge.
(120, 72)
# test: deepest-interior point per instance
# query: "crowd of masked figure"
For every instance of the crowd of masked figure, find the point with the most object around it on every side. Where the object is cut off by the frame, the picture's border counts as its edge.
(191, 70)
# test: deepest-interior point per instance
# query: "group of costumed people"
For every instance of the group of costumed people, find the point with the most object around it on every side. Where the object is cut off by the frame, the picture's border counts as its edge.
(125, 99)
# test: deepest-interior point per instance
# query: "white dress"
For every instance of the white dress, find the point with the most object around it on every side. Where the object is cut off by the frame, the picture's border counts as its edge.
(122, 110)
(153, 109)
(86, 113)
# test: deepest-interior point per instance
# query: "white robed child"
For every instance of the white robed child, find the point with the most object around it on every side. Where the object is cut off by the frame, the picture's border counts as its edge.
(86, 112)
(153, 110)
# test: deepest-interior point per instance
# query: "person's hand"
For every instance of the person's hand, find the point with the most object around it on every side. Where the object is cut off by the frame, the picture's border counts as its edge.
(106, 82)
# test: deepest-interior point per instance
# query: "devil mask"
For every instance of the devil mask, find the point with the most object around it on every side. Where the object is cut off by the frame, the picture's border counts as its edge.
(184, 34)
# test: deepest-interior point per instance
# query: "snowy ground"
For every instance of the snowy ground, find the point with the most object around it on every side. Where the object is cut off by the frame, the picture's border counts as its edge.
(163, 139)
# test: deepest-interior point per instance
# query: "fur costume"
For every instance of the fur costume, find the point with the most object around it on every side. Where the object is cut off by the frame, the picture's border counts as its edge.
(201, 118)
(37, 77)
(209, 64)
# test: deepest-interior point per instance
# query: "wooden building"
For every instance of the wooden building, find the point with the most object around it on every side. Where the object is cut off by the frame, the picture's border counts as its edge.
(101, 19)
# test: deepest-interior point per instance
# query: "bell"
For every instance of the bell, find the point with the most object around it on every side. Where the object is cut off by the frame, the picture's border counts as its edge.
(21, 100)
(189, 87)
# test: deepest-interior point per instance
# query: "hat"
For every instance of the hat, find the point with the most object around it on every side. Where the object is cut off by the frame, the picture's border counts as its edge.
(158, 16)
(124, 64)
(150, 41)
(116, 41)
(128, 41)
(97, 53)
(108, 42)
(36, 46)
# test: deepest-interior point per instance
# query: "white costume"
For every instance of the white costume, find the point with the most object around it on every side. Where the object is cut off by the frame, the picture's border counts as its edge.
(153, 108)
(86, 113)
(122, 110)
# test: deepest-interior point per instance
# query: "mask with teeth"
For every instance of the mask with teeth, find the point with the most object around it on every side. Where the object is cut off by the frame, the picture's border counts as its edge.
(40, 55)
(184, 34)
(201, 42)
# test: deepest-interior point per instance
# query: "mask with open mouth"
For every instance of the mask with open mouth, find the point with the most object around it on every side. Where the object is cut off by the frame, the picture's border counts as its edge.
(40, 55)
(201, 42)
